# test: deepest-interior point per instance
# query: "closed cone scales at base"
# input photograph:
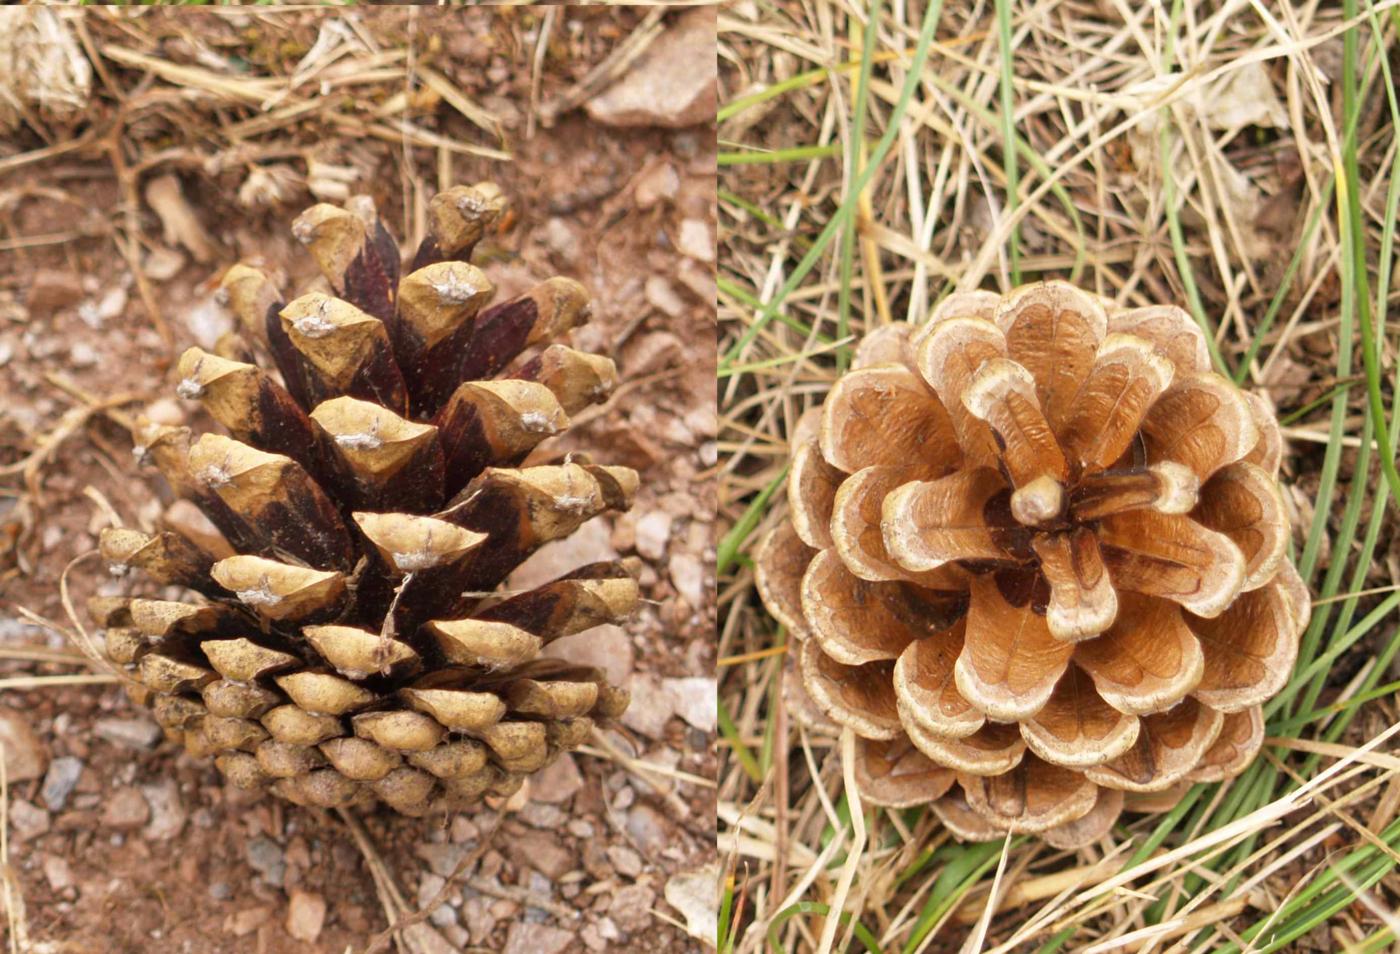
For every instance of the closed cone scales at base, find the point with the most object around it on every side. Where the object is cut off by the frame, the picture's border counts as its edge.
(346, 638)
(1034, 557)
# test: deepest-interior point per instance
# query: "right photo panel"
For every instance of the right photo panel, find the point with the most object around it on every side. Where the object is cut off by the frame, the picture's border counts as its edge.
(1057, 561)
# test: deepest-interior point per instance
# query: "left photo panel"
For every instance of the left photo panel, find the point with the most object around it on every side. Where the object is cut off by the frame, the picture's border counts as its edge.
(357, 460)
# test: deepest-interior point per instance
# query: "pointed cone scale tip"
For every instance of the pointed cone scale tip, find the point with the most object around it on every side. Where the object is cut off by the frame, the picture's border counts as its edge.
(409, 543)
(458, 709)
(355, 653)
(455, 759)
(220, 461)
(337, 339)
(199, 369)
(400, 730)
(324, 694)
(334, 237)
(360, 759)
(436, 299)
(577, 378)
(248, 293)
(458, 217)
(280, 759)
(316, 316)
(166, 674)
(243, 660)
(294, 726)
(491, 645)
(121, 547)
(377, 442)
(279, 590)
(244, 700)
(552, 700)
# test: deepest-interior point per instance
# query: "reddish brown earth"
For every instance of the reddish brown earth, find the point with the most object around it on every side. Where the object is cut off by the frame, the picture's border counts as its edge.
(150, 850)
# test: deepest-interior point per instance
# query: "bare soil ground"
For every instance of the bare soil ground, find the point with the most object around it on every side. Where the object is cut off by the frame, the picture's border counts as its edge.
(103, 283)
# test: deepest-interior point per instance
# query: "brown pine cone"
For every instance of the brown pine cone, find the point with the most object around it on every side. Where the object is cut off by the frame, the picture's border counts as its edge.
(347, 641)
(1035, 559)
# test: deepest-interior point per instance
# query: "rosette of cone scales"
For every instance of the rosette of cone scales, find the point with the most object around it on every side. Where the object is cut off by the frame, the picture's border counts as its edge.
(1034, 557)
(345, 637)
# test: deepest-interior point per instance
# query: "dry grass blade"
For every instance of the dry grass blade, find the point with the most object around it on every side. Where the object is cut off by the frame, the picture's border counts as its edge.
(1156, 153)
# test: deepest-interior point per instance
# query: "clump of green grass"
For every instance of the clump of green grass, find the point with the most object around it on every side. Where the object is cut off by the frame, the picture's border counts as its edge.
(878, 158)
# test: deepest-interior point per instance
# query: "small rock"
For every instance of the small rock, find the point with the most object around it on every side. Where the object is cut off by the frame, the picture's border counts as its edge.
(688, 577)
(58, 783)
(25, 757)
(444, 916)
(694, 698)
(537, 814)
(662, 296)
(695, 241)
(464, 829)
(526, 938)
(57, 872)
(168, 813)
(96, 312)
(655, 352)
(695, 894)
(425, 939)
(623, 799)
(592, 938)
(558, 781)
(306, 915)
(27, 820)
(631, 907)
(221, 891)
(83, 355)
(163, 263)
(428, 887)
(479, 920)
(606, 647)
(648, 828)
(653, 533)
(208, 321)
(561, 241)
(245, 922)
(266, 858)
(132, 733)
(699, 279)
(672, 85)
(443, 859)
(456, 935)
(656, 183)
(625, 860)
(126, 808)
(543, 852)
(590, 543)
(651, 706)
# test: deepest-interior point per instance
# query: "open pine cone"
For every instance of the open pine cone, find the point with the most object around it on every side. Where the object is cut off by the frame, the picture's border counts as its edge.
(346, 644)
(1035, 560)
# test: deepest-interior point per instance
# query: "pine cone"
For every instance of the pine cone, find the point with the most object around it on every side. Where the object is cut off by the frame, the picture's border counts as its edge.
(1035, 559)
(347, 643)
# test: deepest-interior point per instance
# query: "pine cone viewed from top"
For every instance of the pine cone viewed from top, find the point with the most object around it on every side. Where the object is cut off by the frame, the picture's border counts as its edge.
(343, 641)
(1035, 559)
